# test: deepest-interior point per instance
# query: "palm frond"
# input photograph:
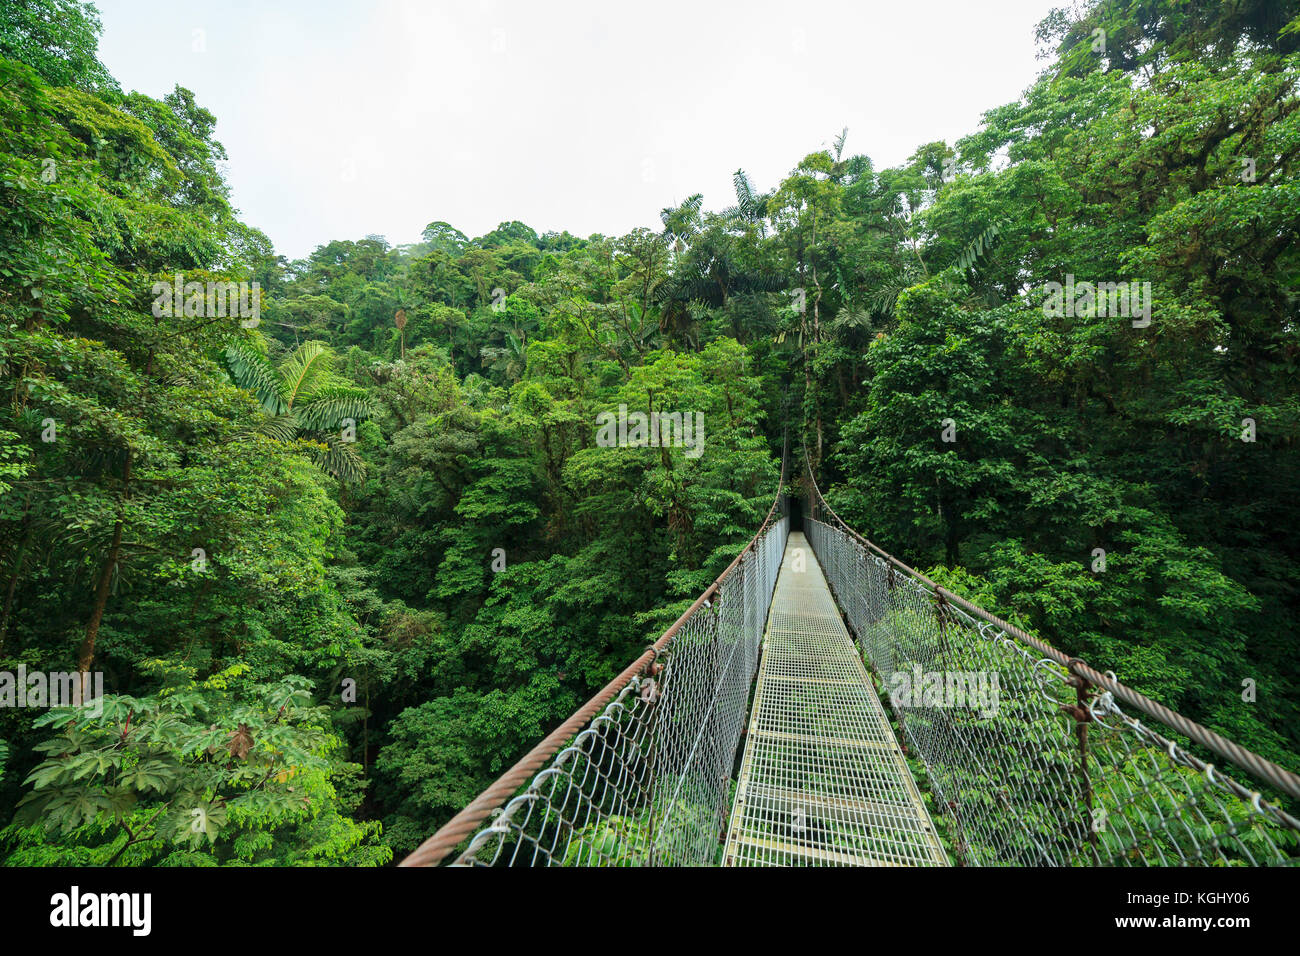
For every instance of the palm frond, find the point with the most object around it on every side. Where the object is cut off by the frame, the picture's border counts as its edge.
(849, 319)
(339, 459)
(762, 282)
(886, 296)
(278, 427)
(281, 427)
(251, 369)
(975, 248)
(306, 370)
(751, 206)
(330, 404)
(682, 220)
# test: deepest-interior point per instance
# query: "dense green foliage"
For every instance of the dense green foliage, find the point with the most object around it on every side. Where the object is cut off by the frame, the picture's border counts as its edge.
(338, 573)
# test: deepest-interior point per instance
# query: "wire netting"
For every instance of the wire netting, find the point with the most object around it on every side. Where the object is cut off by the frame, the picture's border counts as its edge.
(1026, 764)
(1024, 756)
(823, 781)
(648, 781)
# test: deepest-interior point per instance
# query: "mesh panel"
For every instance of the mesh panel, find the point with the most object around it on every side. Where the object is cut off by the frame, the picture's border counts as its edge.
(647, 782)
(823, 782)
(1017, 778)
(1020, 761)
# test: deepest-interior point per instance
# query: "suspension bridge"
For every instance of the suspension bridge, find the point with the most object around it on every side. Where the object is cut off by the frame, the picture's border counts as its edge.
(751, 733)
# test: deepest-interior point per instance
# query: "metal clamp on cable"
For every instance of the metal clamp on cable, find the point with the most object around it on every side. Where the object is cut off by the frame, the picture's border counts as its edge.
(1080, 710)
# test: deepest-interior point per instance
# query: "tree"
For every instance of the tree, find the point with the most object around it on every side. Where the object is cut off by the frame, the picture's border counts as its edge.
(59, 39)
(304, 396)
(215, 771)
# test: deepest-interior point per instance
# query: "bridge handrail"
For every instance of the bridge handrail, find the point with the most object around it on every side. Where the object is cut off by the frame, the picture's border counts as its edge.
(465, 823)
(1260, 767)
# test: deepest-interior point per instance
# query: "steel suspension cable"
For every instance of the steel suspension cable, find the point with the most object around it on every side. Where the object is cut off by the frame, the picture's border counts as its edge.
(1262, 768)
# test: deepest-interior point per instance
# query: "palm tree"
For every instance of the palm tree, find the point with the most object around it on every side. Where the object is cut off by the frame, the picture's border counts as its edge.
(305, 400)
(681, 223)
(707, 277)
(751, 207)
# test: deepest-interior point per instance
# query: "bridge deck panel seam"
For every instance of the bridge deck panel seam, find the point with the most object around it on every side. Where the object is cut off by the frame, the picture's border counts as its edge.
(823, 781)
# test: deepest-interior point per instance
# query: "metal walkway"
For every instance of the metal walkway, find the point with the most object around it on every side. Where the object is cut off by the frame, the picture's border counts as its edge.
(642, 773)
(823, 781)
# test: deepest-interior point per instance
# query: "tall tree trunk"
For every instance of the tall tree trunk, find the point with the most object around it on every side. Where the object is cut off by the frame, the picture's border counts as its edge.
(86, 653)
(819, 434)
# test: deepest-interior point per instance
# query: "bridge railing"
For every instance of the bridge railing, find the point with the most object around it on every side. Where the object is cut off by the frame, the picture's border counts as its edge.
(1032, 757)
(641, 775)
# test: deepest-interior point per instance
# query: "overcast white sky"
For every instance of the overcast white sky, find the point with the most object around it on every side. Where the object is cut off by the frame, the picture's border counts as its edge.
(343, 119)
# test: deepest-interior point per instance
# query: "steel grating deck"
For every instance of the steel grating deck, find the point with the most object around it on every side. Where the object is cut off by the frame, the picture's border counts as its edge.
(823, 781)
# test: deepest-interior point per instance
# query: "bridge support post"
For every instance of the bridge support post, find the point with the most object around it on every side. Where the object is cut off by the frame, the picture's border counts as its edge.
(1082, 715)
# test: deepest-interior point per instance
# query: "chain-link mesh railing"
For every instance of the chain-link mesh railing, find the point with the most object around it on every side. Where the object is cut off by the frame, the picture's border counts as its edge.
(1029, 757)
(1033, 758)
(643, 774)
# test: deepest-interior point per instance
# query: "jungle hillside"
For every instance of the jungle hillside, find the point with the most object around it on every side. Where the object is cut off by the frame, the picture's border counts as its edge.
(342, 550)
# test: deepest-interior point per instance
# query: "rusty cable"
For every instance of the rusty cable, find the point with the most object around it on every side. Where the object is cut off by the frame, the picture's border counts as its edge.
(1262, 768)
(465, 823)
